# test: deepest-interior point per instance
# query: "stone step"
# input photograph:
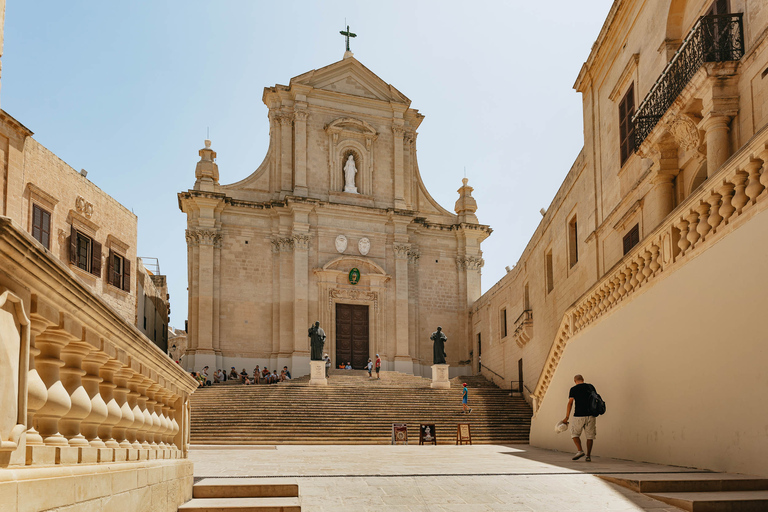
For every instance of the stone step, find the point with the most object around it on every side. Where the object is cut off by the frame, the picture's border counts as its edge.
(246, 488)
(241, 505)
(726, 501)
(688, 482)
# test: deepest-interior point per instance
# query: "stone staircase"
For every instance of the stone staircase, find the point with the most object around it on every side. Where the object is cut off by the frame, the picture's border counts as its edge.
(354, 409)
(700, 492)
(243, 495)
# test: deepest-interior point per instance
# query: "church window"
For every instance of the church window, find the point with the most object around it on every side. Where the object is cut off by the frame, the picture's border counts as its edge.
(84, 252)
(503, 320)
(550, 274)
(41, 226)
(573, 242)
(626, 127)
(632, 238)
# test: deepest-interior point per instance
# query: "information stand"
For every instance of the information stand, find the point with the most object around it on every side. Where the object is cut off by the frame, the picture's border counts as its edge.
(427, 434)
(463, 434)
(399, 433)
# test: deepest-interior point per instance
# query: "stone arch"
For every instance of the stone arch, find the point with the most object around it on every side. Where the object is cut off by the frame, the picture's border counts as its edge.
(699, 177)
(675, 20)
(367, 264)
(354, 124)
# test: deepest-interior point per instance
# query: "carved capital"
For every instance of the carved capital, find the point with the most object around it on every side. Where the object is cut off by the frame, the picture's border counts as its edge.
(203, 237)
(401, 250)
(413, 256)
(469, 262)
(300, 242)
(282, 244)
(301, 115)
(398, 131)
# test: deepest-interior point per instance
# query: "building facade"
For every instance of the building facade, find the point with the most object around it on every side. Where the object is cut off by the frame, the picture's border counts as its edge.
(648, 268)
(334, 226)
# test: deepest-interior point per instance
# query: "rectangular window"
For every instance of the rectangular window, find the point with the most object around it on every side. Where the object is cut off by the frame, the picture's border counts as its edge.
(550, 274)
(41, 226)
(626, 127)
(503, 319)
(573, 242)
(526, 298)
(84, 252)
(119, 272)
(632, 238)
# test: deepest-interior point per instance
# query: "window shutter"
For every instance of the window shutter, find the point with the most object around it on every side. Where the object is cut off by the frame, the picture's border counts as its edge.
(73, 245)
(126, 275)
(96, 258)
(46, 229)
(110, 270)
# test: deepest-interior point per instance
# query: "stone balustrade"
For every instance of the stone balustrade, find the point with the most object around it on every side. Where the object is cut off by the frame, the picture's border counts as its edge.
(737, 191)
(81, 384)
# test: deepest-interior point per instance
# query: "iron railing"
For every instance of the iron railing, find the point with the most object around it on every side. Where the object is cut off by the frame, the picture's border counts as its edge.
(717, 38)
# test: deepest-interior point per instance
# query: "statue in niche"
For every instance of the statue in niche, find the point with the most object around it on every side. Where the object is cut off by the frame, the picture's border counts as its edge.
(349, 175)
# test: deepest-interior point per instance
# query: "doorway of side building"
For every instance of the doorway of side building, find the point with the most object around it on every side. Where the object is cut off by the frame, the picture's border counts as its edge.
(352, 335)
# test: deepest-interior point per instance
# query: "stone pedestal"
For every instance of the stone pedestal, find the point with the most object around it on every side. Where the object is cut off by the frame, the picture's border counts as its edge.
(440, 377)
(317, 373)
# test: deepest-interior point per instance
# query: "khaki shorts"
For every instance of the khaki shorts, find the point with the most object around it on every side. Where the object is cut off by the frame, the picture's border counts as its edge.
(586, 423)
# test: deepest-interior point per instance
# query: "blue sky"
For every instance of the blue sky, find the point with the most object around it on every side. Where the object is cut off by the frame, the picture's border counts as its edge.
(126, 90)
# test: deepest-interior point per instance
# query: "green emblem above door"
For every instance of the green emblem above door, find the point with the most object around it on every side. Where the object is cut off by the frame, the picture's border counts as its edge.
(354, 276)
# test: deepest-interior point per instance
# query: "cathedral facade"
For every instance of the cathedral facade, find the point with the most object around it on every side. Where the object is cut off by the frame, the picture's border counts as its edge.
(334, 226)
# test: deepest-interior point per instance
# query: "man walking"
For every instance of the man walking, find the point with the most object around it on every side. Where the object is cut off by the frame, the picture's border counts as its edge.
(582, 420)
(378, 367)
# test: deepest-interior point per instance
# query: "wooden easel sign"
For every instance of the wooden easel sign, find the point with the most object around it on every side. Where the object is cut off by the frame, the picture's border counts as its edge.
(427, 434)
(463, 434)
(399, 433)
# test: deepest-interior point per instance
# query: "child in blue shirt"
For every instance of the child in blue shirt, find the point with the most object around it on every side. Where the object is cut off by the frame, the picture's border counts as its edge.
(464, 397)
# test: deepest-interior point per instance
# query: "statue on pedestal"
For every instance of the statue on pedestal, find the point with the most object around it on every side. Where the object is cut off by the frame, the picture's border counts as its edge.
(438, 348)
(316, 342)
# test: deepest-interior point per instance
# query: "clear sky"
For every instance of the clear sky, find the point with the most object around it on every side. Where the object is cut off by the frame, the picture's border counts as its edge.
(126, 90)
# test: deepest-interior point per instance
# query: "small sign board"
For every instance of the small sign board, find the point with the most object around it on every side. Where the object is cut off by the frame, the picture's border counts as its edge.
(427, 434)
(463, 434)
(399, 433)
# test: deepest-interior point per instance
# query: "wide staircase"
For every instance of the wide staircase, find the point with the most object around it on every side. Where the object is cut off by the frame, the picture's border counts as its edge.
(354, 409)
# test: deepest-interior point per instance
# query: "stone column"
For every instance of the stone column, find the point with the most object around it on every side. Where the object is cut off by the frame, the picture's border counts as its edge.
(50, 342)
(91, 423)
(114, 413)
(399, 178)
(143, 434)
(718, 142)
(126, 413)
(286, 333)
(300, 149)
(403, 359)
(71, 376)
(301, 320)
(662, 198)
(286, 154)
(138, 415)
(37, 392)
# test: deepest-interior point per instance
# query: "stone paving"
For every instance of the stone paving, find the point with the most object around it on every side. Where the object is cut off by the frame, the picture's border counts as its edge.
(475, 478)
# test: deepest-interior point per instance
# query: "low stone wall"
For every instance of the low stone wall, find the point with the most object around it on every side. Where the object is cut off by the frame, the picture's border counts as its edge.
(83, 392)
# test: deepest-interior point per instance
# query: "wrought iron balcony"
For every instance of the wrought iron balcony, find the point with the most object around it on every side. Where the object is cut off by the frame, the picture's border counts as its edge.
(718, 38)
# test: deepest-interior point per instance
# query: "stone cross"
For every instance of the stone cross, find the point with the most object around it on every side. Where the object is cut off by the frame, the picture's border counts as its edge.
(347, 34)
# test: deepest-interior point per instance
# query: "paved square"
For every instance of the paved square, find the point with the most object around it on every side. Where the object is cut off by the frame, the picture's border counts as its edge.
(434, 478)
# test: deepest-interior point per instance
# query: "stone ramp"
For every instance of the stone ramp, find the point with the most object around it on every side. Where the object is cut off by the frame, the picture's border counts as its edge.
(353, 409)
(700, 492)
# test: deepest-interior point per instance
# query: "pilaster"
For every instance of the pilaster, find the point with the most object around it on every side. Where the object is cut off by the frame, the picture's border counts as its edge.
(397, 136)
(300, 149)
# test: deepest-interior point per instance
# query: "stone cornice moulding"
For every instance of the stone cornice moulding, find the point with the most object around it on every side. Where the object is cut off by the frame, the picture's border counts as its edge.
(637, 205)
(81, 223)
(41, 196)
(114, 242)
(629, 73)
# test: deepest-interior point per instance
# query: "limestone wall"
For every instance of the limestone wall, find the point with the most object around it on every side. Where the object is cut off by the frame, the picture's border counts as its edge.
(679, 365)
(36, 176)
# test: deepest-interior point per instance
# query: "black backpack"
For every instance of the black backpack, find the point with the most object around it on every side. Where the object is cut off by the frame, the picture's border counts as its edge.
(596, 403)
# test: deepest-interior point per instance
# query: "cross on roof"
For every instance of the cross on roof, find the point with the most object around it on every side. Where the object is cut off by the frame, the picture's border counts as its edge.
(347, 34)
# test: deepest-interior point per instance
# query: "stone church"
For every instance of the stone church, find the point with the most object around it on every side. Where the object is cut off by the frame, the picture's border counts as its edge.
(334, 226)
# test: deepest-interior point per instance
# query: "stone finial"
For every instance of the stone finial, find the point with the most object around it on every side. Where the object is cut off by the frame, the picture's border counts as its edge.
(466, 206)
(207, 171)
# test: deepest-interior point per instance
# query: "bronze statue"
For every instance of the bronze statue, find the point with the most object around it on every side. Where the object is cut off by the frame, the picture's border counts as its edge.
(438, 348)
(316, 342)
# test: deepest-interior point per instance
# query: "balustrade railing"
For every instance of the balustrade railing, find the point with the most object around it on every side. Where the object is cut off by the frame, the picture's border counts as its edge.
(718, 38)
(714, 209)
(84, 386)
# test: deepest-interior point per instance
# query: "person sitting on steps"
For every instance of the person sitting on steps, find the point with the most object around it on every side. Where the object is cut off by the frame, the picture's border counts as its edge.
(233, 374)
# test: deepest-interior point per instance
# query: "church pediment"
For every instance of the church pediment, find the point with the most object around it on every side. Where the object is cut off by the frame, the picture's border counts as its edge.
(350, 77)
(347, 263)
